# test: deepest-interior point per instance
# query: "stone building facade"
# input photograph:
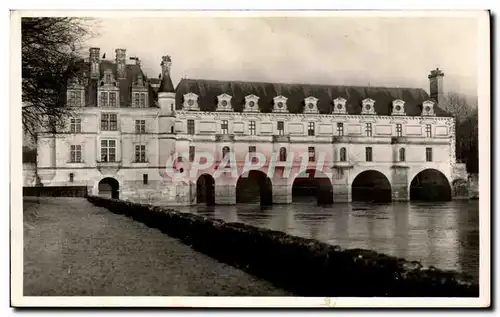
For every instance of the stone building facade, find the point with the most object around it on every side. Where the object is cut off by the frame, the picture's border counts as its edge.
(128, 131)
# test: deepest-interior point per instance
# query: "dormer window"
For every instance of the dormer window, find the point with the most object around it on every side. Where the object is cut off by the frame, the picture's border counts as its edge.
(251, 103)
(311, 105)
(191, 102)
(140, 99)
(428, 108)
(108, 91)
(339, 106)
(398, 108)
(280, 104)
(75, 97)
(107, 99)
(224, 103)
(368, 106)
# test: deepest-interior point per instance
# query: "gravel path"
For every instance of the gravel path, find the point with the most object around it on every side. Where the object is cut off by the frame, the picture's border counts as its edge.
(73, 248)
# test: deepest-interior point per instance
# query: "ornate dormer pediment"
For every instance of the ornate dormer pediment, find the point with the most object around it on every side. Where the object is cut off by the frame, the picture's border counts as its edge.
(251, 103)
(190, 102)
(428, 108)
(224, 102)
(108, 79)
(368, 106)
(311, 105)
(398, 108)
(280, 104)
(339, 106)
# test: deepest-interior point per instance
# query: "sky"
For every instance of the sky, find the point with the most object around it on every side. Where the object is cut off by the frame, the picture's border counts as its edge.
(366, 51)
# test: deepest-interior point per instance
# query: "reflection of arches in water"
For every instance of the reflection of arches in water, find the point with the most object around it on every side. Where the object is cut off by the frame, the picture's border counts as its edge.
(254, 187)
(430, 185)
(460, 188)
(371, 186)
(205, 190)
(109, 187)
(312, 185)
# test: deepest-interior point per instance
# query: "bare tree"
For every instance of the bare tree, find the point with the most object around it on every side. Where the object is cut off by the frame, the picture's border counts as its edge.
(50, 47)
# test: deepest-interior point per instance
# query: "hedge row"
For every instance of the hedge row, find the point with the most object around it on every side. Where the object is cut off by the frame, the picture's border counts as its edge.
(305, 267)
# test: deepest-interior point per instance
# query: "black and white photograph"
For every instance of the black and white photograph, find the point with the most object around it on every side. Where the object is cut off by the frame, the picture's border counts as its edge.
(250, 158)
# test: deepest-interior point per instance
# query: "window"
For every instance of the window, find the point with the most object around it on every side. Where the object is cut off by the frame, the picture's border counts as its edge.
(112, 99)
(75, 153)
(172, 129)
(428, 130)
(75, 98)
(140, 126)
(340, 128)
(369, 154)
(428, 154)
(343, 154)
(282, 154)
(399, 129)
(251, 151)
(312, 154)
(224, 127)
(190, 124)
(71, 177)
(109, 122)
(368, 129)
(140, 99)
(75, 125)
(191, 153)
(310, 128)
(140, 153)
(145, 179)
(108, 150)
(108, 99)
(281, 127)
(104, 99)
(225, 151)
(402, 155)
(252, 127)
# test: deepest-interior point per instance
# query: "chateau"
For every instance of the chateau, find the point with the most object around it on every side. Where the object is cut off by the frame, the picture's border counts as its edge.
(374, 143)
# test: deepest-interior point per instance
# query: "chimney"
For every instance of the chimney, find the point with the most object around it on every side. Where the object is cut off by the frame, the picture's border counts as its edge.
(120, 63)
(436, 86)
(165, 65)
(94, 62)
(166, 82)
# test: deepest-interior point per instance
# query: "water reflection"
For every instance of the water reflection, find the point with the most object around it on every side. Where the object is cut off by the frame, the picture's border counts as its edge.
(444, 235)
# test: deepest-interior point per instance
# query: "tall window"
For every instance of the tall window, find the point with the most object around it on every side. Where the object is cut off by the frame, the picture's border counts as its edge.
(108, 150)
(145, 179)
(75, 98)
(108, 99)
(402, 155)
(252, 127)
(312, 154)
(225, 151)
(224, 127)
(109, 122)
(191, 153)
(75, 125)
(140, 99)
(251, 152)
(340, 128)
(399, 129)
(282, 154)
(172, 129)
(343, 154)
(104, 99)
(71, 177)
(428, 154)
(369, 154)
(140, 126)
(75, 153)
(112, 99)
(281, 127)
(310, 128)
(368, 129)
(190, 124)
(140, 153)
(428, 130)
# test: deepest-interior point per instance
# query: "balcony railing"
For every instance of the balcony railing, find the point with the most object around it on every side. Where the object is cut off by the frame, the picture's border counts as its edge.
(224, 138)
(399, 140)
(340, 139)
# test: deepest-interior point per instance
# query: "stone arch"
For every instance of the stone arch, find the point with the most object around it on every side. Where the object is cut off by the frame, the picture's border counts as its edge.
(254, 187)
(371, 185)
(205, 190)
(109, 187)
(312, 185)
(430, 185)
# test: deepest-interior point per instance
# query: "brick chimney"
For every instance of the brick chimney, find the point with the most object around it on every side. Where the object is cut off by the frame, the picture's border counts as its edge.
(120, 63)
(94, 59)
(436, 86)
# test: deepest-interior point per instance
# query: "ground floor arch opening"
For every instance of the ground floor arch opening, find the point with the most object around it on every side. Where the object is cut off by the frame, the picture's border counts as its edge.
(109, 187)
(205, 190)
(312, 186)
(371, 186)
(254, 187)
(430, 185)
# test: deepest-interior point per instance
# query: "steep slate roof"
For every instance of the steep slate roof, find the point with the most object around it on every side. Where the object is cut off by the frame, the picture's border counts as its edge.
(166, 84)
(208, 90)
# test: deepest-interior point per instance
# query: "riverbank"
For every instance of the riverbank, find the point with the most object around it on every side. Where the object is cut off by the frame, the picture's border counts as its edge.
(73, 248)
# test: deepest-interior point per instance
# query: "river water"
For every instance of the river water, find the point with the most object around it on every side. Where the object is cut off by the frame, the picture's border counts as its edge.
(442, 234)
